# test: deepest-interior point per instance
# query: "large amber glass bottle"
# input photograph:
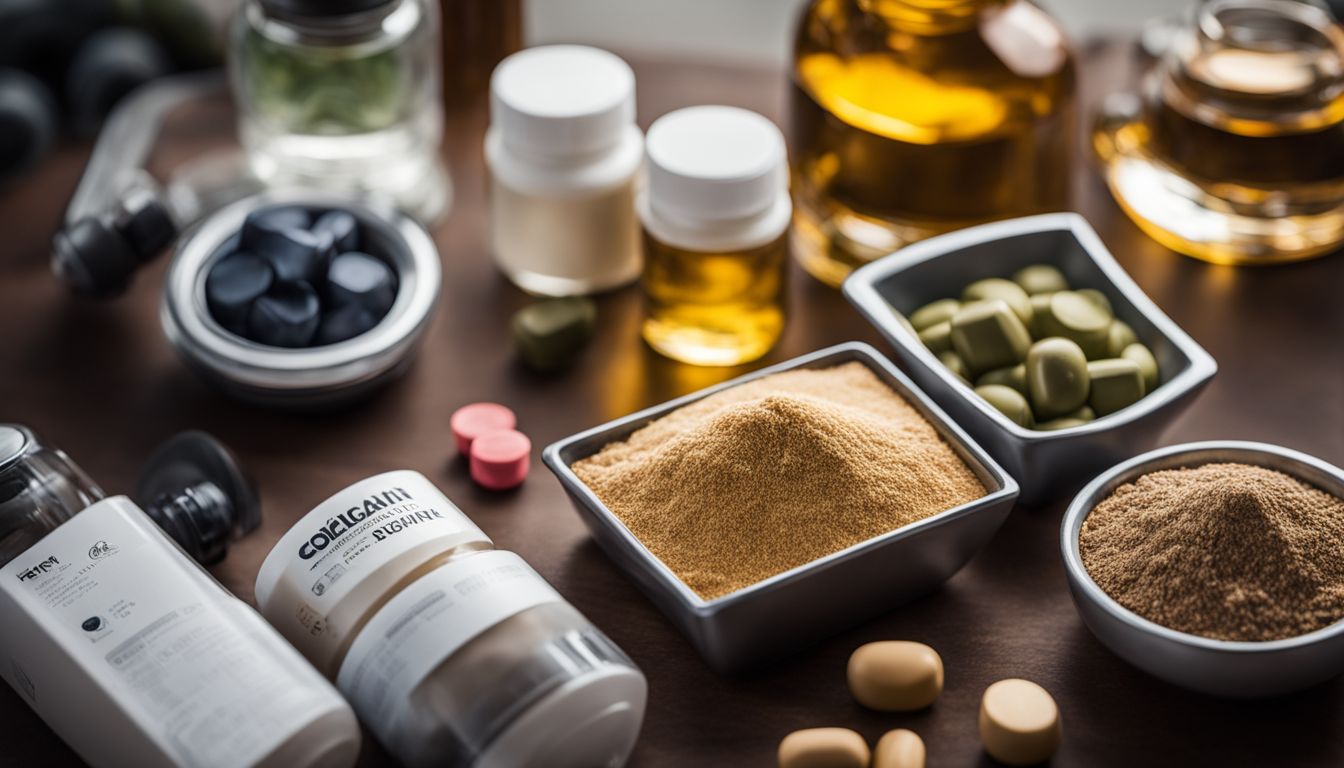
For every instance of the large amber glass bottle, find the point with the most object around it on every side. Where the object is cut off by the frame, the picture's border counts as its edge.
(910, 118)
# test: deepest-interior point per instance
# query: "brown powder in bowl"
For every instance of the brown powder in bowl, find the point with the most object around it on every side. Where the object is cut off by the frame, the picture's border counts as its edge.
(1227, 551)
(766, 476)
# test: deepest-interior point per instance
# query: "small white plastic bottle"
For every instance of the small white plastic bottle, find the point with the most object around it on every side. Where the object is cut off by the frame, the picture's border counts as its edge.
(564, 156)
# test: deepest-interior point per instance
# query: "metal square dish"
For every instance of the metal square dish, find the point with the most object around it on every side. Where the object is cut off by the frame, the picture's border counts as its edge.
(1048, 464)
(793, 609)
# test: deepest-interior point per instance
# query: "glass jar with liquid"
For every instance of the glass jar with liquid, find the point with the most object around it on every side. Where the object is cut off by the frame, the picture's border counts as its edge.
(1234, 150)
(910, 118)
(343, 95)
(716, 219)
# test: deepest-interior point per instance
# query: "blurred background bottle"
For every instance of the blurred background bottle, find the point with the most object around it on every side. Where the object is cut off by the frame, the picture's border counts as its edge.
(477, 35)
(1233, 151)
(910, 118)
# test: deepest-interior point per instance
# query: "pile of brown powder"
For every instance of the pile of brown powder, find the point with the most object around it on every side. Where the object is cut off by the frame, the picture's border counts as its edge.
(775, 473)
(1227, 551)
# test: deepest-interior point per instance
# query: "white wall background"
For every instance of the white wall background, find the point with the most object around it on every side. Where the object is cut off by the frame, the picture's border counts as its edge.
(755, 30)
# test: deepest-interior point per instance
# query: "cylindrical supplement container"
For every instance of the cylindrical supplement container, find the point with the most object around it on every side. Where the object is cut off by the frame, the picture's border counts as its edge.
(564, 156)
(452, 652)
(716, 217)
(129, 650)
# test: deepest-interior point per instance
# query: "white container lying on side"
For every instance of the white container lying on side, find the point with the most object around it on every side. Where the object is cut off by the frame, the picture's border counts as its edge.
(129, 650)
(452, 652)
(564, 156)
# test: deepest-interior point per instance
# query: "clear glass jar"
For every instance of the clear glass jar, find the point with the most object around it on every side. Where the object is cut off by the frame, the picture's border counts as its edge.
(1233, 151)
(343, 95)
(910, 118)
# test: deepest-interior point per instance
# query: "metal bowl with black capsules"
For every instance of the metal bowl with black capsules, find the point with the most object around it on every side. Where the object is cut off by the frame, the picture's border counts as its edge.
(310, 376)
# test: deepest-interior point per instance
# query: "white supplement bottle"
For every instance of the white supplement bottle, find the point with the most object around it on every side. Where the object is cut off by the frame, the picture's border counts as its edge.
(564, 156)
(452, 652)
(127, 648)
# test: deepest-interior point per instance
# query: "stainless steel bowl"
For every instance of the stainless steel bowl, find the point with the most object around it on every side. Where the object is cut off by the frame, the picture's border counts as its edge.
(1049, 465)
(781, 614)
(1218, 667)
(316, 376)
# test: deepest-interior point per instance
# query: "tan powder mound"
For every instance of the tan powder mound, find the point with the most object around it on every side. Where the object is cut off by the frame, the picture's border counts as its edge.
(1227, 551)
(775, 473)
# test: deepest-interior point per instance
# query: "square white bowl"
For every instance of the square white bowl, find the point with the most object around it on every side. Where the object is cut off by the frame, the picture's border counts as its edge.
(1048, 464)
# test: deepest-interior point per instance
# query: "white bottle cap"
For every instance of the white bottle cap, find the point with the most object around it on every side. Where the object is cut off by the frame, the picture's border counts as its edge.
(562, 100)
(715, 164)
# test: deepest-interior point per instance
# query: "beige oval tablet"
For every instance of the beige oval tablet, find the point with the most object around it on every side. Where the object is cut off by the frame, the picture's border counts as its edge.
(899, 749)
(1019, 722)
(823, 748)
(895, 675)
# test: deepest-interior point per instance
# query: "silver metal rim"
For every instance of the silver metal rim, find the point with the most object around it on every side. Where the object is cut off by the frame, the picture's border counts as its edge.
(189, 326)
(1300, 465)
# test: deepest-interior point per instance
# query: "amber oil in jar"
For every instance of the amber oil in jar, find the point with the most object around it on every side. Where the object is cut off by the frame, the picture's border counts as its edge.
(715, 215)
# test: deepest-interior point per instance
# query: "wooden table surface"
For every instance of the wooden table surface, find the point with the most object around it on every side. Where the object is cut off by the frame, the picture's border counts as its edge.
(101, 381)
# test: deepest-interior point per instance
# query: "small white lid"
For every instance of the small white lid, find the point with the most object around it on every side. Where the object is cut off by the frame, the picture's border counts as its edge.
(591, 720)
(712, 163)
(562, 100)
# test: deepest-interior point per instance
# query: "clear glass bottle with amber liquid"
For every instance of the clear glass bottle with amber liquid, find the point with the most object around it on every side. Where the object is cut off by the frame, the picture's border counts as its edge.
(910, 118)
(1233, 151)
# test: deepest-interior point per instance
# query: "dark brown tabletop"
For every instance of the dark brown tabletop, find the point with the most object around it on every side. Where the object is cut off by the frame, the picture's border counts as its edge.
(101, 381)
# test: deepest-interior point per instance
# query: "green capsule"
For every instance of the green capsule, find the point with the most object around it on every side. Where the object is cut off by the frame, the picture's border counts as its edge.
(1040, 278)
(1082, 414)
(989, 335)
(1057, 380)
(1119, 336)
(1063, 422)
(1014, 377)
(1009, 402)
(998, 288)
(1075, 317)
(550, 334)
(1040, 315)
(904, 323)
(1115, 384)
(938, 338)
(953, 362)
(1143, 357)
(1098, 298)
(932, 314)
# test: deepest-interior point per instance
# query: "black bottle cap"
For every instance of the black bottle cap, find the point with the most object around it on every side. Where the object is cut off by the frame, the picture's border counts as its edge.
(28, 122)
(193, 488)
(146, 226)
(93, 258)
(322, 9)
(110, 64)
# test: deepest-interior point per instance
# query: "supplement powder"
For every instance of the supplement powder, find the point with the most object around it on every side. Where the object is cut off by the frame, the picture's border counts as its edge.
(1226, 551)
(775, 473)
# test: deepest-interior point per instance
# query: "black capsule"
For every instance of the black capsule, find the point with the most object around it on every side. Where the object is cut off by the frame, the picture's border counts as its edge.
(295, 254)
(287, 316)
(283, 217)
(343, 228)
(344, 323)
(234, 282)
(360, 279)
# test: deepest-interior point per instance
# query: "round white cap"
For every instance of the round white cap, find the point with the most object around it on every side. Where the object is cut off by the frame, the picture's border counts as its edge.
(592, 720)
(715, 163)
(562, 100)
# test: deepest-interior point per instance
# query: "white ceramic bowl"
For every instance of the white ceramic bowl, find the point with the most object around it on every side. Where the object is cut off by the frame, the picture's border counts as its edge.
(1218, 667)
